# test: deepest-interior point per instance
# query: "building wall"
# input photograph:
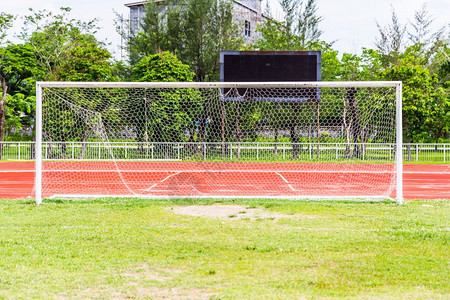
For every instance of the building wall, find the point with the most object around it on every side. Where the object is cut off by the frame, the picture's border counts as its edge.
(246, 14)
(253, 4)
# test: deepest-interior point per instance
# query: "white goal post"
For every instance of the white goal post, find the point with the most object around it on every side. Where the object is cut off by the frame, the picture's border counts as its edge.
(293, 140)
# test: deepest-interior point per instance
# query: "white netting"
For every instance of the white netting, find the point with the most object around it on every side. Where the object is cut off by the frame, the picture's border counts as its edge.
(219, 142)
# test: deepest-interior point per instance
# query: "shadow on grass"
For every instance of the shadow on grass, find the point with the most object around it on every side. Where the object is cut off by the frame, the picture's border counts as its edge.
(268, 203)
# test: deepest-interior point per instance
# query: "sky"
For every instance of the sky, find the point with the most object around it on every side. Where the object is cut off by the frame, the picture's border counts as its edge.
(351, 24)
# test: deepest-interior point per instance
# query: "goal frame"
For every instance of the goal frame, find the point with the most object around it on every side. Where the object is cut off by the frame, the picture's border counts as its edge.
(40, 85)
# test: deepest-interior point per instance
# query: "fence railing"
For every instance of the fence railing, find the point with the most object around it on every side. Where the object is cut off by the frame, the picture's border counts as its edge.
(17, 150)
(255, 151)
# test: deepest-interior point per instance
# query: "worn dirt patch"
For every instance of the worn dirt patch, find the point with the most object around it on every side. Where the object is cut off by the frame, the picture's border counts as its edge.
(231, 212)
(147, 273)
(142, 282)
(174, 293)
(136, 291)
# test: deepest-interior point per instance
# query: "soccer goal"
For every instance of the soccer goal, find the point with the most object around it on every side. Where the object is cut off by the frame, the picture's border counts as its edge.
(294, 140)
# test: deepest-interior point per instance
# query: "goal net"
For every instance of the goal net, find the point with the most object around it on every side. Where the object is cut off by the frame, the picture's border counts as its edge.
(327, 140)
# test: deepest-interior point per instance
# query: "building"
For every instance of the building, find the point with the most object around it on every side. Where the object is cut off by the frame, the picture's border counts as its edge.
(246, 13)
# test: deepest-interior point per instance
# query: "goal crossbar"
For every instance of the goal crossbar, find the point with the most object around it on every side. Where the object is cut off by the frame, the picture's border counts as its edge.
(278, 84)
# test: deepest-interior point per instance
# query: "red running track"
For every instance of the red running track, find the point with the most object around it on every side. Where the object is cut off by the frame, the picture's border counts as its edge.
(420, 181)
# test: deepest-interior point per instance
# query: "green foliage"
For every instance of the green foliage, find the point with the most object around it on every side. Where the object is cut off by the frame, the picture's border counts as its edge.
(298, 30)
(424, 106)
(121, 70)
(161, 67)
(275, 36)
(308, 23)
(20, 111)
(330, 63)
(169, 112)
(86, 61)
(152, 38)
(422, 42)
(350, 67)
(390, 43)
(195, 30)
(57, 40)
(17, 66)
(361, 68)
(440, 65)
(6, 22)
(422, 63)
(61, 48)
(17, 63)
(208, 29)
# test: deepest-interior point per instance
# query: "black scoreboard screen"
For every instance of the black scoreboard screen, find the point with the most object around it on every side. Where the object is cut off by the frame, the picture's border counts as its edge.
(262, 66)
(272, 66)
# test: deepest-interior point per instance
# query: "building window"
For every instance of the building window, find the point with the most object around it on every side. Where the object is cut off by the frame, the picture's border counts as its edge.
(247, 29)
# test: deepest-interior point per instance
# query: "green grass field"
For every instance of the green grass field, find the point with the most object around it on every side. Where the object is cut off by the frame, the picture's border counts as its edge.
(129, 248)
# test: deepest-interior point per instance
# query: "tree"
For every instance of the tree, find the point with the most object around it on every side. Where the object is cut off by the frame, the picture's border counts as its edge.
(427, 42)
(299, 29)
(308, 23)
(17, 64)
(420, 33)
(275, 35)
(161, 67)
(422, 63)
(208, 28)
(331, 66)
(289, 9)
(53, 38)
(65, 49)
(195, 30)
(163, 115)
(6, 22)
(391, 41)
(150, 40)
(395, 38)
(438, 122)
(19, 112)
(86, 61)
(422, 102)
(440, 65)
(356, 68)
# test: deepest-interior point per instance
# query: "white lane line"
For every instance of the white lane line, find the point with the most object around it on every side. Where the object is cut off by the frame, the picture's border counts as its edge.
(148, 189)
(17, 171)
(287, 182)
(438, 173)
(231, 171)
(224, 171)
(195, 189)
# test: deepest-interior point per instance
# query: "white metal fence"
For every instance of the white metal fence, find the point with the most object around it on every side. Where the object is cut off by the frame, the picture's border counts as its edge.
(254, 151)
